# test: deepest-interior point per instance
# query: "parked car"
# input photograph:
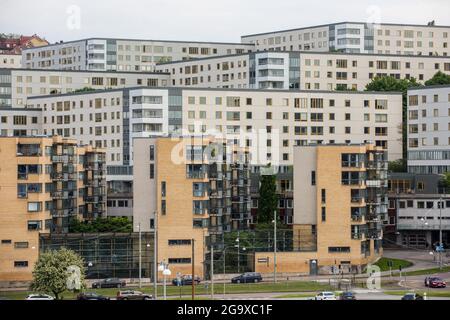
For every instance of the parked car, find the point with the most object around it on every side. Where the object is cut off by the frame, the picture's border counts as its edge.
(109, 283)
(91, 296)
(132, 295)
(248, 277)
(412, 296)
(185, 280)
(326, 295)
(435, 282)
(347, 296)
(39, 296)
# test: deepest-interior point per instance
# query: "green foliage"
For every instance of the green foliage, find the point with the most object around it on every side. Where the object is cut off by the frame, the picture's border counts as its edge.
(398, 85)
(399, 165)
(50, 274)
(396, 263)
(439, 78)
(85, 89)
(444, 183)
(268, 199)
(110, 224)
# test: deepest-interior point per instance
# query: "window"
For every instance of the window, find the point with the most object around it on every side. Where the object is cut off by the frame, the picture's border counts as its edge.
(179, 242)
(324, 214)
(21, 264)
(338, 249)
(313, 178)
(179, 260)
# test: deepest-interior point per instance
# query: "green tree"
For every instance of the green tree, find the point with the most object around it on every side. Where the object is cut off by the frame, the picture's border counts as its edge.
(268, 199)
(444, 183)
(398, 85)
(399, 165)
(52, 271)
(439, 78)
(110, 224)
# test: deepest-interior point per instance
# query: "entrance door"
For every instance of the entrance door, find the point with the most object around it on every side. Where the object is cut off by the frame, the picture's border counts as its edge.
(313, 267)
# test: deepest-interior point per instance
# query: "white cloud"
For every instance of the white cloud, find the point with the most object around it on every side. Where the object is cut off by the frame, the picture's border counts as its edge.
(203, 20)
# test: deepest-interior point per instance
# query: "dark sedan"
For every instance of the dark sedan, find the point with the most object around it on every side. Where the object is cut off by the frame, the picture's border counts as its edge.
(248, 277)
(109, 283)
(185, 280)
(347, 296)
(91, 296)
(412, 296)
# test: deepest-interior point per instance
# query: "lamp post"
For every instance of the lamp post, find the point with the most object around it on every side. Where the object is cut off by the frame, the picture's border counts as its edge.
(155, 256)
(140, 255)
(164, 268)
(224, 264)
(238, 260)
(441, 245)
(274, 246)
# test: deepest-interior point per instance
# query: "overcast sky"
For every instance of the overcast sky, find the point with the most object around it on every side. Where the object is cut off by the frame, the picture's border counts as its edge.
(202, 20)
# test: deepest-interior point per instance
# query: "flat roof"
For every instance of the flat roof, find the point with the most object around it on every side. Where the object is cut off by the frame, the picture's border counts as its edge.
(336, 23)
(19, 109)
(99, 91)
(143, 40)
(84, 71)
(437, 86)
(305, 52)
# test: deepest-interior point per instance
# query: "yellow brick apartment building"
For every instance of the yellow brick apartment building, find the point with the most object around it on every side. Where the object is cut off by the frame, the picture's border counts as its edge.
(44, 182)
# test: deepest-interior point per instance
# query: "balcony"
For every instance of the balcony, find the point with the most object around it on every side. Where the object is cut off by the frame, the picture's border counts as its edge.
(28, 150)
(60, 176)
(63, 159)
(61, 213)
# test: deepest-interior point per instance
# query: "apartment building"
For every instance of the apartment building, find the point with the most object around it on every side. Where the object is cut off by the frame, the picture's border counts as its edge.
(19, 122)
(269, 122)
(44, 183)
(10, 60)
(339, 201)
(101, 54)
(192, 188)
(416, 215)
(429, 130)
(16, 85)
(358, 37)
(301, 70)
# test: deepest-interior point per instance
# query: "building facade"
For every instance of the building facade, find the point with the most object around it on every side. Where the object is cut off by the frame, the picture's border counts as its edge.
(101, 54)
(190, 189)
(429, 130)
(301, 70)
(45, 182)
(10, 60)
(16, 85)
(268, 122)
(416, 214)
(358, 37)
(339, 202)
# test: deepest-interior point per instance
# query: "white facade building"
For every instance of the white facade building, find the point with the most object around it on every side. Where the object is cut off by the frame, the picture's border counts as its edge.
(301, 70)
(8, 60)
(16, 85)
(429, 129)
(358, 37)
(101, 54)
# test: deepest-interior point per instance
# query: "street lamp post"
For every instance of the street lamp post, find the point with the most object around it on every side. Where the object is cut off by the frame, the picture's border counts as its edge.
(155, 256)
(140, 255)
(212, 272)
(166, 272)
(275, 246)
(238, 248)
(441, 245)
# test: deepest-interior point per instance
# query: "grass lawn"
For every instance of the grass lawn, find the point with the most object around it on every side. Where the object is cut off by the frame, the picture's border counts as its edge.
(296, 295)
(424, 271)
(443, 294)
(396, 263)
(291, 286)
